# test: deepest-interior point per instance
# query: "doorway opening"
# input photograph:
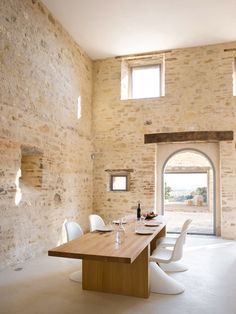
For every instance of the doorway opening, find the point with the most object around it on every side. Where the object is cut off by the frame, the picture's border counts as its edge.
(189, 192)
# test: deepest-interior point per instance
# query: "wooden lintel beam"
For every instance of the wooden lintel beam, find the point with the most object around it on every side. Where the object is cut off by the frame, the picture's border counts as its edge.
(119, 170)
(143, 55)
(197, 136)
(229, 49)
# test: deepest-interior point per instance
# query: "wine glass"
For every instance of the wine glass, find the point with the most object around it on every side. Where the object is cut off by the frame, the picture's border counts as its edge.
(142, 219)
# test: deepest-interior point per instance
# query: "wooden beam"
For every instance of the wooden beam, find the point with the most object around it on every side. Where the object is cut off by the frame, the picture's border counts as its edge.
(142, 55)
(198, 136)
(119, 170)
(229, 49)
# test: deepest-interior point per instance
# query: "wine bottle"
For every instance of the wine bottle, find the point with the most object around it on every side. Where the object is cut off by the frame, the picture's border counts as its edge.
(138, 212)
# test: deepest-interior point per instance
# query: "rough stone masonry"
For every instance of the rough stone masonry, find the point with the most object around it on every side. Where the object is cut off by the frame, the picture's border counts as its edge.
(45, 78)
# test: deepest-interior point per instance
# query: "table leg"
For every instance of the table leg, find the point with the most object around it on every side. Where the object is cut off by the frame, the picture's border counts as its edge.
(120, 278)
(162, 233)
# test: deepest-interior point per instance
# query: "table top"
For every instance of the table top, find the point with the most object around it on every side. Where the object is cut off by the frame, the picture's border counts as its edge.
(102, 246)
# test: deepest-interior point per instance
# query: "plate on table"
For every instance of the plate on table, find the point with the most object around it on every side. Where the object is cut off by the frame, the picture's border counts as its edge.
(118, 221)
(152, 224)
(144, 231)
(104, 229)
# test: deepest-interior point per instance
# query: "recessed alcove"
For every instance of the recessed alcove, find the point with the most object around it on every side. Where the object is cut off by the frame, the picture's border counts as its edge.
(31, 166)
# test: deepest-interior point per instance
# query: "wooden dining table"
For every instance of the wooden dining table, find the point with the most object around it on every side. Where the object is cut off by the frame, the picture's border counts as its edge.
(111, 267)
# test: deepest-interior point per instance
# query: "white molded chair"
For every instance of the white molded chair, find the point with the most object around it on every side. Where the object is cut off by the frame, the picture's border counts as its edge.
(95, 222)
(160, 281)
(165, 255)
(170, 241)
(73, 231)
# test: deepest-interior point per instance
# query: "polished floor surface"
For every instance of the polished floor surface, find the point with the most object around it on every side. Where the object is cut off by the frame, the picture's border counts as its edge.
(42, 286)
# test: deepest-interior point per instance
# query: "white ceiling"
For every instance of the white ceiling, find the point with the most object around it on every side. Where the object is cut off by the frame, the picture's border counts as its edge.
(106, 28)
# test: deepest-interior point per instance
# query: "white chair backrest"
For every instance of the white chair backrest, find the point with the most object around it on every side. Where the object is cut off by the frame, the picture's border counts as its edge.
(95, 222)
(177, 252)
(185, 227)
(73, 230)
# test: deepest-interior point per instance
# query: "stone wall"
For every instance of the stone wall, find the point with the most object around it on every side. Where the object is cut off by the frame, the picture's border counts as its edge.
(228, 183)
(198, 97)
(45, 77)
(42, 73)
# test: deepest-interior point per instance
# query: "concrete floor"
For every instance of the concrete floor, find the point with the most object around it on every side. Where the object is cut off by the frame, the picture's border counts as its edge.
(43, 286)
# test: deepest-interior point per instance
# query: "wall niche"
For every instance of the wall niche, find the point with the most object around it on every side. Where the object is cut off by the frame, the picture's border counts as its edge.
(31, 166)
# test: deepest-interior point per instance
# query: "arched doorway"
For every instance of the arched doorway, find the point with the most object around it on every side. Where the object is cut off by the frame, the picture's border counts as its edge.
(200, 163)
(189, 191)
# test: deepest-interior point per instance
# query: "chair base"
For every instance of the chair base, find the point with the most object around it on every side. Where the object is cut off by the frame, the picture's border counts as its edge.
(76, 276)
(173, 267)
(162, 283)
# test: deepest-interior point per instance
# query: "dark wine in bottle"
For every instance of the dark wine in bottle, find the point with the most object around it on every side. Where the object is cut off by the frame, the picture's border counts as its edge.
(138, 212)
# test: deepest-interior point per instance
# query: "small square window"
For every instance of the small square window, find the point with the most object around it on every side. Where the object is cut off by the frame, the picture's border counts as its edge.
(146, 81)
(119, 183)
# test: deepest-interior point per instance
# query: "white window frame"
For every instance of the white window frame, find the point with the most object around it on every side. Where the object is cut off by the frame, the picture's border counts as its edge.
(126, 74)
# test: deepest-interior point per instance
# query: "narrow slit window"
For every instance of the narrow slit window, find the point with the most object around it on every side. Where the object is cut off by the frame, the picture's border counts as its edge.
(234, 77)
(79, 108)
